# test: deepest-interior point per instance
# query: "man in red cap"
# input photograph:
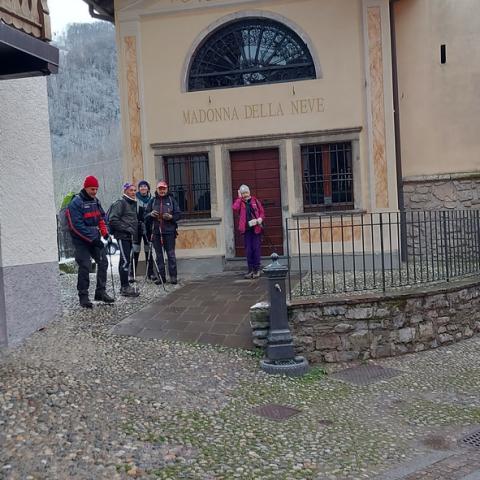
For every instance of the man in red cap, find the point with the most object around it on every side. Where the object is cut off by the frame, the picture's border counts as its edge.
(86, 220)
(163, 212)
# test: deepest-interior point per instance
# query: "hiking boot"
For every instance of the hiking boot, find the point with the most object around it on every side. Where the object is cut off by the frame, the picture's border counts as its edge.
(256, 274)
(248, 275)
(129, 292)
(173, 280)
(131, 280)
(85, 302)
(103, 297)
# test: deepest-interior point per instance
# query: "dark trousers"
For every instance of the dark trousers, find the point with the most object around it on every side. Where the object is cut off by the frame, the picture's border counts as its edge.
(166, 243)
(137, 247)
(84, 252)
(253, 242)
(124, 262)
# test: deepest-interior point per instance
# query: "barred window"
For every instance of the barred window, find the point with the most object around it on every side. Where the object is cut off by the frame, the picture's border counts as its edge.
(248, 52)
(188, 178)
(327, 177)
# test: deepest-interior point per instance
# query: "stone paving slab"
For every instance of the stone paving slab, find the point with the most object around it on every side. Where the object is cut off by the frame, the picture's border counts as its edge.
(213, 311)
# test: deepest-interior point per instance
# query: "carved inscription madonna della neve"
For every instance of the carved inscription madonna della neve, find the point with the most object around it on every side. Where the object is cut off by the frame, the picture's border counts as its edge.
(251, 111)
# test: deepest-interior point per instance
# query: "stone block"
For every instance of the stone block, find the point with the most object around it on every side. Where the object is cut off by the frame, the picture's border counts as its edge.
(260, 333)
(398, 321)
(442, 329)
(360, 340)
(334, 310)
(257, 324)
(436, 301)
(333, 357)
(445, 338)
(442, 320)
(359, 313)
(415, 319)
(260, 342)
(344, 328)
(452, 327)
(425, 331)
(406, 335)
(328, 342)
(381, 312)
(382, 351)
(468, 332)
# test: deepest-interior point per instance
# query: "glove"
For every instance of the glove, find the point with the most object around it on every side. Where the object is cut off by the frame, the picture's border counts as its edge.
(259, 220)
(167, 216)
(97, 243)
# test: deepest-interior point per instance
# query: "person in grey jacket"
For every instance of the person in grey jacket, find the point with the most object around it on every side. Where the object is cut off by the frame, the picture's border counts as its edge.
(123, 223)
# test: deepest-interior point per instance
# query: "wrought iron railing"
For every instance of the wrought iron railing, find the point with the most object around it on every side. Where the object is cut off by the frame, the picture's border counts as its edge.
(340, 253)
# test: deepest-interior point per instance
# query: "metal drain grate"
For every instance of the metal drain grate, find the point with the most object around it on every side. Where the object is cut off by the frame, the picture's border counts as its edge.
(365, 374)
(472, 440)
(275, 412)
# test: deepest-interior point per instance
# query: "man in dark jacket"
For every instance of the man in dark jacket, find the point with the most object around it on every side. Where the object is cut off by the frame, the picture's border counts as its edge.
(124, 226)
(163, 212)
(86, 221)
(144, 232)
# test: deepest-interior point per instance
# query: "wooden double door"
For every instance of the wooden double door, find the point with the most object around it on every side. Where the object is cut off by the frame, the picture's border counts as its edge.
(260, 170)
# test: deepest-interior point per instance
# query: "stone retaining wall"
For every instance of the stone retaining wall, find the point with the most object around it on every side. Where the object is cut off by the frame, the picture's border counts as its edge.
(434, 192)
(379, 325)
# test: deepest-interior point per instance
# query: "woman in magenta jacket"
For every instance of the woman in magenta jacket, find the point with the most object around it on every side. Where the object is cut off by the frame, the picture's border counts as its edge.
(250, 224)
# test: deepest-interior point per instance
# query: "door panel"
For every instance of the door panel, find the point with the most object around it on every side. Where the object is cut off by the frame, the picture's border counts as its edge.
(259, 169)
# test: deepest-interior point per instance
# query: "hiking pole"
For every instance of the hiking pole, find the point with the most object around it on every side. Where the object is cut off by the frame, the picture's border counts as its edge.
(157, 271)
(132, 266)
(164, 253)
(109, 253)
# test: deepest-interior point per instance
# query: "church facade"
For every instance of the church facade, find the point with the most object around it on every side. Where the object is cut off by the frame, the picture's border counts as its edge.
(320, 106)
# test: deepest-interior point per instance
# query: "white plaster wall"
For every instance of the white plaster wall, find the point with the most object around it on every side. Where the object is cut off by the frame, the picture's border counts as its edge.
(27, 211)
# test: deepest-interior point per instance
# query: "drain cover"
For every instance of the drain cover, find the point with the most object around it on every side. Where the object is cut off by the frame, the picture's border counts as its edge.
(365, 374)
(276, 412)
(473, 440)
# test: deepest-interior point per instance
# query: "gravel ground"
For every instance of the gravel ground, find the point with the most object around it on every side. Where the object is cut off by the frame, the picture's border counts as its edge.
(77, 402)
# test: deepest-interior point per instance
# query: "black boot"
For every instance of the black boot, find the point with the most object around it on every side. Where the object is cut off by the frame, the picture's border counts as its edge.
(173, 280)
(103, 297)
(129, 292)
(85, 301)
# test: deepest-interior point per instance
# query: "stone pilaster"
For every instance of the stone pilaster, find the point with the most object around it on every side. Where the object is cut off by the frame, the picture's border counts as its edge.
(380, 121)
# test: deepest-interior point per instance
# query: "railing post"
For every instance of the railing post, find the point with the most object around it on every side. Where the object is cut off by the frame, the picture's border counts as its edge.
(280, 351)
(445, 245)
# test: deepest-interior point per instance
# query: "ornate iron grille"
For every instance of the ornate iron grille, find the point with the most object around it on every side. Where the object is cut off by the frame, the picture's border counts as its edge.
(327, 176)
(189, 180)
(248, 52)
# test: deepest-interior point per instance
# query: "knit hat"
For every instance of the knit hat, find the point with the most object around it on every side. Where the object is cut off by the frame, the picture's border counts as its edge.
(127, 185)
(244, 189)
(90, 181)
(162, 184)
(144, 182)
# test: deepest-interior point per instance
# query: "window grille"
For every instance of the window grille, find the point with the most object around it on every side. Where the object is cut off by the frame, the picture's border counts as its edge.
(248, 52)
(188, 179)
(327, 177)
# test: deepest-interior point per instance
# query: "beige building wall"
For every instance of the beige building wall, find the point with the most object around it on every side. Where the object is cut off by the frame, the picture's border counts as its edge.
(351, 100)
(439, 104)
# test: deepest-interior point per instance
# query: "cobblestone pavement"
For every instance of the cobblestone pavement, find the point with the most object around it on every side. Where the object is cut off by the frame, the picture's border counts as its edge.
(77, 402)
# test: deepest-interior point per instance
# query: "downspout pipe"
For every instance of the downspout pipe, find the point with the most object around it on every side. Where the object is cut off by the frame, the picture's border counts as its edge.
(398, 145)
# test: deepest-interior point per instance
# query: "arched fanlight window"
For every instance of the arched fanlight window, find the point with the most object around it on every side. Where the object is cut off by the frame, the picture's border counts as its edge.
(250, 51)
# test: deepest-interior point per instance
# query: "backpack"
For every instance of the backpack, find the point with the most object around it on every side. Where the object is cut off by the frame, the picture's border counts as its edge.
(62, 214)
(108, 213)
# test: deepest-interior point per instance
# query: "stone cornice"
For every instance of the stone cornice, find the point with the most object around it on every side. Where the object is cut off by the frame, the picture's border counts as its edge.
(256, 138)
(442, 177)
